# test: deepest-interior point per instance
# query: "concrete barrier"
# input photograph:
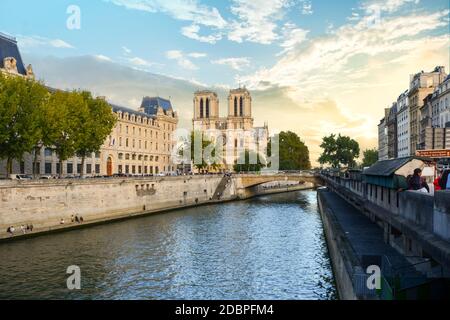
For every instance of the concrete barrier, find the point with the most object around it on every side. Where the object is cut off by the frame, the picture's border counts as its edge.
(417, 207)
(442, 214)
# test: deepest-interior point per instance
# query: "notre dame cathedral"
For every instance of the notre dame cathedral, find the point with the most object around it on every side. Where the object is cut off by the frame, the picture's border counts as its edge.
(237, 130)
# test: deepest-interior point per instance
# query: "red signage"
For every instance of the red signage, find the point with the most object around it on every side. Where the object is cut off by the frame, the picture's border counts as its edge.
(433, 153)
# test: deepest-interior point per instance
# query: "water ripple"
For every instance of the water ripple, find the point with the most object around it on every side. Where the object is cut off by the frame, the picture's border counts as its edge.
(271, 247)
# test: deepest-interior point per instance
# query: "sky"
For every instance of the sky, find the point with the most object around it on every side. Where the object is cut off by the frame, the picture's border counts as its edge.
(315, 67)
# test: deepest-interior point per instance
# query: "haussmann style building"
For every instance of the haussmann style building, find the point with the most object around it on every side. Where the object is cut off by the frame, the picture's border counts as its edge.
(140, 143)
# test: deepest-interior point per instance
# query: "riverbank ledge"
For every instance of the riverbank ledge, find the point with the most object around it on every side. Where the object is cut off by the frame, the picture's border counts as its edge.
(55, 205)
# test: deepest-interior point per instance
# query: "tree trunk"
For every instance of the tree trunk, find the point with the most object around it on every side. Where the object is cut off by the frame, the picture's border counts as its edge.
(60, 173)
(36, 151)
(9, 166)
(83, 160)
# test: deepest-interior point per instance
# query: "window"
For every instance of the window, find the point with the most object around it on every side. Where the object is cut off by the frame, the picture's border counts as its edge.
(79, 168)
(241, 106)
(126, 142)
(89, 168)
(235, 106)
(48, 152)
(22, 167)
(127, 169)
(97, 169)
(38, 168)
(58, 168)
(48, 168)
(120, 156)
(133, 169)
(201, 108)
(69, 168)
(120, 168)
(207, 108)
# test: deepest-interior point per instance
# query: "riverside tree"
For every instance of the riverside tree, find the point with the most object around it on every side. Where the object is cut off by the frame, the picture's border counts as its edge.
(249, 161)
(21, 102)
(294, 154)
(370, 157)
(196, 145)
(339, 151)
(66, 112)
(98, 120)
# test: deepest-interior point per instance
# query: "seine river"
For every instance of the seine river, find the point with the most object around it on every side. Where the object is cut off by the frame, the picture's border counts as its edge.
(272, 247)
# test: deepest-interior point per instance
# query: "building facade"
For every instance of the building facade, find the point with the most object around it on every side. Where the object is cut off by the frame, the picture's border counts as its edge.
(441, 105)
(421, 85)
(392, 139)
(140, 143)
(403, 144)
(382, 141)
(237, 128)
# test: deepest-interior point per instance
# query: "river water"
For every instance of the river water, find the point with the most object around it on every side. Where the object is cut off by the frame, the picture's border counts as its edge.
(271, 247)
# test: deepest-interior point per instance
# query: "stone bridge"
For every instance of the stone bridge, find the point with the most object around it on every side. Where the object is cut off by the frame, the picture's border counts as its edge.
(246, 183)
(252, 180)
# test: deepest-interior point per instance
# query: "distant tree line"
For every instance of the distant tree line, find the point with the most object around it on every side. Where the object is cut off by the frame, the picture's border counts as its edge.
(32, 116)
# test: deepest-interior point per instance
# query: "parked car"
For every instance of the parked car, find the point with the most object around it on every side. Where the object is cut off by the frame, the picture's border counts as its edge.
(21, 177)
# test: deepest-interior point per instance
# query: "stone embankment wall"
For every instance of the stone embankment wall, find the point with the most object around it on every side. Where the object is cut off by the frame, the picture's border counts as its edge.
(50, 205)
(45, 204)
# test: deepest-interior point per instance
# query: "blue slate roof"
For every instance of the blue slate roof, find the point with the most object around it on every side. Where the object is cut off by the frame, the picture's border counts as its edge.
(151, 104)
(117, 108)
(8, 48)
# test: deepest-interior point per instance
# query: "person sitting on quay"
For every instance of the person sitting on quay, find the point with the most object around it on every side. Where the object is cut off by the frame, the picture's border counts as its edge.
(23, 229)
(417, 183)
(30, 227)
(11, 230)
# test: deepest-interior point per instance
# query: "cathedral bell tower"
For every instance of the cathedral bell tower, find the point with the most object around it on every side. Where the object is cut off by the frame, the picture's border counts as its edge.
(206, 109)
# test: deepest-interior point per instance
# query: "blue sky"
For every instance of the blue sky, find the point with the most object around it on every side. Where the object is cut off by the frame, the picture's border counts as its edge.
(335, 65)
(144, 37)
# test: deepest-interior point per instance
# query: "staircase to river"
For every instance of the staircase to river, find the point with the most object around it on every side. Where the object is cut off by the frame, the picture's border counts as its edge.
(221, 187)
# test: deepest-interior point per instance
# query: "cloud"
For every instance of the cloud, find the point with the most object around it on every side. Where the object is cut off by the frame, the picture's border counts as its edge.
(197, 55)
(38, 41)
(139, 62)
(256, 20)
(371, 6)
(192, 32)
(186, 10)
(102, 58)
(181, 59)
(307, 68)
(126, 50)
(292, 37)
(235, 63)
